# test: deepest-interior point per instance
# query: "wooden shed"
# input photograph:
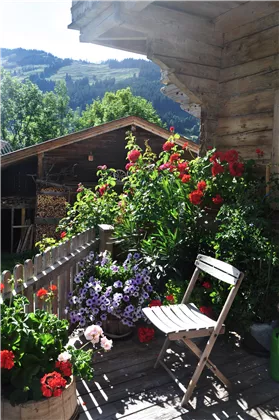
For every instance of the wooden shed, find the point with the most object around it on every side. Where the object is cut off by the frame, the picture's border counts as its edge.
(38, 181)
(219, 60)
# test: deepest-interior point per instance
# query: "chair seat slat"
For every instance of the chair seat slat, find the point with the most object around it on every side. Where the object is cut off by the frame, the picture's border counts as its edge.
(194, 311)
(176, 319)
(156, 321)
(189, 322)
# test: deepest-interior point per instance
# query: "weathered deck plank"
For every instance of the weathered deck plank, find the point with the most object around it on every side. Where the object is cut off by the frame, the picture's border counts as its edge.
(126, 386)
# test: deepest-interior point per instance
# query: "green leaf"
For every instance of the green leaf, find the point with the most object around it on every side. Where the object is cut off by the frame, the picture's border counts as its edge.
(18, 397)
(46, 339)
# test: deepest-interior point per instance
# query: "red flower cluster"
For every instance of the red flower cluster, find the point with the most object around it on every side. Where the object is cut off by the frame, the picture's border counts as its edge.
(171, 129)
(52, 288)
(7, 359)
(236, 168)
(134, 155)
(155, 302)
(52, 384)
(218, 156)
(129, 165)
(63, 234)
(217, 199)
(170, 298)
(206, 285)
(260, 153)
(207, 310)
(231, 156)
(185, 145)
(217, 169)
(196, 197)
(80, 187)
(64, 367)
(168, 146)
(103, 189)
(201, 186)
(145, 334)
(41, 293)
(182, 166)
(174, 157)
(185, 178)
(1, 287)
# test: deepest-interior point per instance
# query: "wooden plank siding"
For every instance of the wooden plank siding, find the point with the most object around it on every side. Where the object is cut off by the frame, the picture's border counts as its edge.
(249, 77)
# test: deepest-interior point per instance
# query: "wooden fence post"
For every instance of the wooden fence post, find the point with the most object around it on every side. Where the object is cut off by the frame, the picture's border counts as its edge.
(105, 234)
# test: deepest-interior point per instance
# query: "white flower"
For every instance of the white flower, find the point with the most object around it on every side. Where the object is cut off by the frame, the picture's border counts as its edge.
(63, 357)
(106, 344)
(95, 339)
(92, 331)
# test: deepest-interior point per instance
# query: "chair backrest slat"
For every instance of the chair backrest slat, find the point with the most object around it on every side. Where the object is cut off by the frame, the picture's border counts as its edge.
(218, 269)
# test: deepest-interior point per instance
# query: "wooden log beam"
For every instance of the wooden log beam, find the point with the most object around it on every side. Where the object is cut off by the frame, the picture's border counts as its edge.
(161, 22)
(245, 14)
(275, 135)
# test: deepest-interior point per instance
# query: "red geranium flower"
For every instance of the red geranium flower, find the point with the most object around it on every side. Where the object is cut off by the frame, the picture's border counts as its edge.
(182, 167)
(168, 146)
(52, 384)
(170, 298)
(207, 310)
(231, 156)
(164, 166)
(1, 287)
(201, 186)
(80, 189)
(129, 165)
(206, 285)
(260, 153)
(236, 168)
(171, 129)
(196, 197)
(185, 178)
(63, 234)
(7, 359)
(103, 189)
(145, 334)
(185, 145)
(217, 169)
(41, 293)
(134, 155)
(64, 367)
(155, 302)
(217, 199)
(53, 288)
(102, 167)
(174, 157)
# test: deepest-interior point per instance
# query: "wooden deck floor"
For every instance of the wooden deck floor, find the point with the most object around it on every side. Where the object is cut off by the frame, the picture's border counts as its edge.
(126, 386)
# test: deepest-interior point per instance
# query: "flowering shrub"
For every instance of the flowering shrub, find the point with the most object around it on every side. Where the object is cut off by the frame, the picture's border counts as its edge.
(103, 288)
(36, 361)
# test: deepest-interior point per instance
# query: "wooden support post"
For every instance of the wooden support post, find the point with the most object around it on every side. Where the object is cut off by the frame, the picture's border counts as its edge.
(275, 134)
(23, 212)
(40, 165)
(12, 228)
(106, 243)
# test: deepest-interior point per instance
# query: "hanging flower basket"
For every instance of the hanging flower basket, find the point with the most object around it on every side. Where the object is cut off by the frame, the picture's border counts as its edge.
(64, 407)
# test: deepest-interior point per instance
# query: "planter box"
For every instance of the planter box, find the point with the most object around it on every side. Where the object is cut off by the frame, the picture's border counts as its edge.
(61, 408)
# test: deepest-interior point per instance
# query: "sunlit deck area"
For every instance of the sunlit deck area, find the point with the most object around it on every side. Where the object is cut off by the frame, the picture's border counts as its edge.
(127, 386)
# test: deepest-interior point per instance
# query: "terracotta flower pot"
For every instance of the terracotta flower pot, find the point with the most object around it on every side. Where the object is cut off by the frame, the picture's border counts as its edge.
(63, 408)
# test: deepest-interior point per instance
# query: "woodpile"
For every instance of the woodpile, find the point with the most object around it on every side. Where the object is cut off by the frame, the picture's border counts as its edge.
(51, 207)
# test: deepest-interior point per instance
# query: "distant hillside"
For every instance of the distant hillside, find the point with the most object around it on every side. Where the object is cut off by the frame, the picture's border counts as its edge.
(88, 81)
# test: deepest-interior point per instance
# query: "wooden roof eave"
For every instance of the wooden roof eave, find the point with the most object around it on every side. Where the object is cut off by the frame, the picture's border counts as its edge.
(13, 157)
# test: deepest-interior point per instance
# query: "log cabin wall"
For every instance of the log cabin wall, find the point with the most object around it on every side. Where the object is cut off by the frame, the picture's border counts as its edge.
(249, 77)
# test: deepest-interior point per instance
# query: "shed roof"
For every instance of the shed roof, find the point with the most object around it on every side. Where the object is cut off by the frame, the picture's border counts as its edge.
(88, 133)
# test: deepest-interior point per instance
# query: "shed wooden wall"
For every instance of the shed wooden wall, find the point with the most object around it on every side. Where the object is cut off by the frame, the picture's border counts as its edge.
(249, 78)
(107, 149)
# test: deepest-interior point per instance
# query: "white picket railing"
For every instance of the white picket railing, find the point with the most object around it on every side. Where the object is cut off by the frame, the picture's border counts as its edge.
(58, 267)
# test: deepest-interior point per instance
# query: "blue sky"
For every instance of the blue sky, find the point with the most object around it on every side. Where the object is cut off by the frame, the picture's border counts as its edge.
(43, 25)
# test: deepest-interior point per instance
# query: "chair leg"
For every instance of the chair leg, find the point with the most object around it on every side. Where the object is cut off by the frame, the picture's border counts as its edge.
(193, 382)
(162, 352)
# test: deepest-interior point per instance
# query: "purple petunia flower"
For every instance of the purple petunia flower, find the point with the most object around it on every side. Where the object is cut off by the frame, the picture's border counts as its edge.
(99, 323)
(103, 307)
(114, 268)
(70, 294)
(145, 295)
(126, 298)
(103, 317)
(136, 256)
(89, 302)
(130, 324)
(117, 284)
(136, 267)
(136, 294)
(149, 288)
(115, 304)
(95, 311)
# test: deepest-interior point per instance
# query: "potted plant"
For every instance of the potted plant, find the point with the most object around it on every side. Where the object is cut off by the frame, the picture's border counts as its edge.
(38, 367)
(110, 294)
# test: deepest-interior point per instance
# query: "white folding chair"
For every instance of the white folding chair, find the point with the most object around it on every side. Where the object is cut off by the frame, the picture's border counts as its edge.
(184, 321)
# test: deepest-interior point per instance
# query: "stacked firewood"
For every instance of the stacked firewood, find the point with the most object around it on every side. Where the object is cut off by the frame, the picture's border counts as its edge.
(51, 206)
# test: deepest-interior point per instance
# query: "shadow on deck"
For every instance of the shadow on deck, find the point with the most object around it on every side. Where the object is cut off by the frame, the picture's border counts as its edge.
(127, 386)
